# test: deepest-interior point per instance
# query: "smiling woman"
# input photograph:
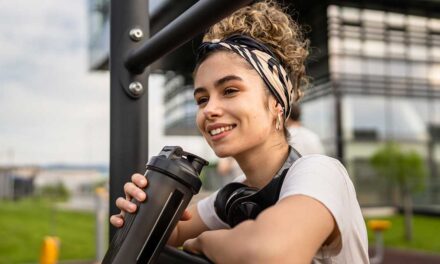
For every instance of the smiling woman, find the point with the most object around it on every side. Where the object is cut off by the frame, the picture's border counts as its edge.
(285, 208)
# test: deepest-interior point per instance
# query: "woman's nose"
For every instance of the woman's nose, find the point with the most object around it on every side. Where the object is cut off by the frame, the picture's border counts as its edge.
(213, 108)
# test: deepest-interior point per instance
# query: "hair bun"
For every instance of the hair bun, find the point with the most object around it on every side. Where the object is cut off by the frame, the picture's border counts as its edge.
(266, 22)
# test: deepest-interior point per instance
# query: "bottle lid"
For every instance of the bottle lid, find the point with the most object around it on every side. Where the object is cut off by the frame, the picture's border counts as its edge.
(180, 165)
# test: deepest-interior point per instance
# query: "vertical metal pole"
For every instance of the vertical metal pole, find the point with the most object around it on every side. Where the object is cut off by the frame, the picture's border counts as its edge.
(101, 217)
(338, 120)
(128, 97)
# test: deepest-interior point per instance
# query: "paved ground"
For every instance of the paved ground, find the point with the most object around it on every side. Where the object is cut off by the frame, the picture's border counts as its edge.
(394, 256)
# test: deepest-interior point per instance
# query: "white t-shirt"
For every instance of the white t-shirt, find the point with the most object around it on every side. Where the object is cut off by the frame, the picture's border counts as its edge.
(326, 180)
(305, 141)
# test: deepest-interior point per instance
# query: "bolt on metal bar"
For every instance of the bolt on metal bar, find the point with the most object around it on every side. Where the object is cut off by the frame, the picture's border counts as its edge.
(192, 22)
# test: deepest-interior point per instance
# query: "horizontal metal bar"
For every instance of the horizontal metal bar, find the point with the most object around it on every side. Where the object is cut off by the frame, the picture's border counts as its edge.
(192, 22)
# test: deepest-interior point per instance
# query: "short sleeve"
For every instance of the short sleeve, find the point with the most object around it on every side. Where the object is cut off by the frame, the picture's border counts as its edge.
(325, 180)
(206, 210)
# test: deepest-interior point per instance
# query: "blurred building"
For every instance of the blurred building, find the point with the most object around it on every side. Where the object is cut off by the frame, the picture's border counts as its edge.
(375, 68)
(17, 181)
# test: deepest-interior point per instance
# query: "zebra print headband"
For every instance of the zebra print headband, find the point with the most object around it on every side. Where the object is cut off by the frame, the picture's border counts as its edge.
(262, 60)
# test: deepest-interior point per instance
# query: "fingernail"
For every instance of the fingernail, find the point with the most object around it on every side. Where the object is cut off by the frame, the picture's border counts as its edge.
(143, 181)
(132, 207)
(140, 195)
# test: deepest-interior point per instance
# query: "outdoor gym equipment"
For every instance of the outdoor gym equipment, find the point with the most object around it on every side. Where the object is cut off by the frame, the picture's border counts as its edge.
(378, 226)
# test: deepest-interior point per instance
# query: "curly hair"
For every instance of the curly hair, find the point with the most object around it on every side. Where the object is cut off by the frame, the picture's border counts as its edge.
(268, 23)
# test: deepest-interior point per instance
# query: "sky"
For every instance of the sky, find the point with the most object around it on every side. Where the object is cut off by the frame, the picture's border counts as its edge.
(52, 108)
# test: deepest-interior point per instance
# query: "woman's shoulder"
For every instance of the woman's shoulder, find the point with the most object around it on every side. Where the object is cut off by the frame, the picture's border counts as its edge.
(318, 168)
(317, 161)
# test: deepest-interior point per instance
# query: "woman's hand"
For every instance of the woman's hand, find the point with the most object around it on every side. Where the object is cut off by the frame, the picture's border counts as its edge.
(133, 189)
(193, 246)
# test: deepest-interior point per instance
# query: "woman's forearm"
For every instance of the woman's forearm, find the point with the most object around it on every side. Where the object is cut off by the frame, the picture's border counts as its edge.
(274, 237)
(226, 245)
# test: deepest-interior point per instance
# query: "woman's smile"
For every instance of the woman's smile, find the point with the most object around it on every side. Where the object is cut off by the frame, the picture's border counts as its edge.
(216, 129)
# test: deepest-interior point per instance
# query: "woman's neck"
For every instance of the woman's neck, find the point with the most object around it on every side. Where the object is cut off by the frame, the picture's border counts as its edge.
(260, 165)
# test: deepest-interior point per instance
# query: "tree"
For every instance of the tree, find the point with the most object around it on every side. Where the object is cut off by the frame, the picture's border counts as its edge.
(405, 169)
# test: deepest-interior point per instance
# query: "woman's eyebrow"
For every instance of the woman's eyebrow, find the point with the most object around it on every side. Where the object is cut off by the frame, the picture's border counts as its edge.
(219, 82)
(199, 90)
(227, 78)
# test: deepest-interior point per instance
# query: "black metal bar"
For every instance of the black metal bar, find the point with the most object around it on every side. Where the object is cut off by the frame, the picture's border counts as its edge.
(340, 143)
(128, 108)
(192, 22)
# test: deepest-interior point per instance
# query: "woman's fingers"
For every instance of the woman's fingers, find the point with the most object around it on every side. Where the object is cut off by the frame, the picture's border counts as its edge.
(193, 246)
(125, 205)
(186, 215)
(117, 220)
(139, 180)
(131, 190)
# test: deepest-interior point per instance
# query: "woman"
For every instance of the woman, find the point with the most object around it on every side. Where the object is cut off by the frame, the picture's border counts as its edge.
(249, 71)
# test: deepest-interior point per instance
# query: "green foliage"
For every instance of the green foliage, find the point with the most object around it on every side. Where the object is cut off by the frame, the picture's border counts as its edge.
(57, 192)
(406, 169)
(25, 223)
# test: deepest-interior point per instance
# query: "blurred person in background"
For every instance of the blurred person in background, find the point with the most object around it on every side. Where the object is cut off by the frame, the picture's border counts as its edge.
(228, 169)
(304, 140)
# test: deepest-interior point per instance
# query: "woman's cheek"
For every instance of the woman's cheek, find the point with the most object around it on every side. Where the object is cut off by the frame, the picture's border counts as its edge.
(199, 122)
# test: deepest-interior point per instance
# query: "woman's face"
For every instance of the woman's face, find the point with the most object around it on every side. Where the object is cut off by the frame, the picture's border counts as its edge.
(234, 112)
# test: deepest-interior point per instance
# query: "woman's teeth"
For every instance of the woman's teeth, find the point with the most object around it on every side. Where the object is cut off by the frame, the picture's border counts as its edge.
(219, 130)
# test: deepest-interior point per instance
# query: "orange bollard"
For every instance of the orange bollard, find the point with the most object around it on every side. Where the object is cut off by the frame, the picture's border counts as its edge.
(379, 225)
(49, 250)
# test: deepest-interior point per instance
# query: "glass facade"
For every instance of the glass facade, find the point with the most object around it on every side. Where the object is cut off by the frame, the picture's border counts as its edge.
(384, 52)
(180, 107)
(318, 115)
(384, 72)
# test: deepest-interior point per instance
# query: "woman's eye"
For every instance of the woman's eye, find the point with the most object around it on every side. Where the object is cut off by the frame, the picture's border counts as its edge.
(201, 100)
(229, 91)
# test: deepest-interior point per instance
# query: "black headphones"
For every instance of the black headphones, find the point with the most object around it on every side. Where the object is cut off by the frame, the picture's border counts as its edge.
(237, 202)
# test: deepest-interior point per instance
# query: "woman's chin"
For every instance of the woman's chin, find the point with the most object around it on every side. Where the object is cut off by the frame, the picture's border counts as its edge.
(222, 153)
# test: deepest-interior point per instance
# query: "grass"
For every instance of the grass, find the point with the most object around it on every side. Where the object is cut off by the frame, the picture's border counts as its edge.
(24, 224)
(425, 234)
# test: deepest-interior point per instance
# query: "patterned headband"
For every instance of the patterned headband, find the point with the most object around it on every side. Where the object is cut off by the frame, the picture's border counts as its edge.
(262, 60)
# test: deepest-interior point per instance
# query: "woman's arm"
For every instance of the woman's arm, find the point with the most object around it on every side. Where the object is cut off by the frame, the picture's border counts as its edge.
(190, 228)
(291, 231)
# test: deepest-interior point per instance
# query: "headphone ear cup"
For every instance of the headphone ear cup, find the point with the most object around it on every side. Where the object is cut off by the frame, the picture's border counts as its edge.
(223, 196)
(241, 206)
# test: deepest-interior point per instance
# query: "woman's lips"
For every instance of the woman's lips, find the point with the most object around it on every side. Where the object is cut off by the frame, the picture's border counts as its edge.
(219, 131)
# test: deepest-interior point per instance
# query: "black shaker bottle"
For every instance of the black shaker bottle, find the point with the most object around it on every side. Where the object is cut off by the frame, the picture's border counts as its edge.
(172, 181)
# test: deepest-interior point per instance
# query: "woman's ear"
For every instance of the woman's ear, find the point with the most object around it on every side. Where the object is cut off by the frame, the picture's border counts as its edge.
(274, 106)
(279, 108)
(279, 113)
